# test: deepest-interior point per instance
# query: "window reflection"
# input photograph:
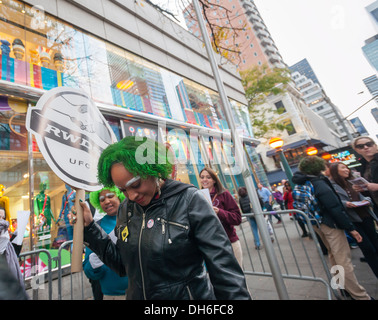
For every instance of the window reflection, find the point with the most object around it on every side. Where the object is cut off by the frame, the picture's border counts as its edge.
(40, 51)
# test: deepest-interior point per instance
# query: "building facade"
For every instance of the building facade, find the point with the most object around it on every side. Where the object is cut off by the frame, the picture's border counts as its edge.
(318, 101)
(371, 84)
(253, 41)
(139, 68)
(370, 50)
(304, 68)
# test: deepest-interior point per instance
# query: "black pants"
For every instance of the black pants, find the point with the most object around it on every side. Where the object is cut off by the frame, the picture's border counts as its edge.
(369, 244)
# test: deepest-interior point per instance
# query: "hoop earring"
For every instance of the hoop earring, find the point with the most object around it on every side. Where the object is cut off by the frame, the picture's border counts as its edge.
(158, 186)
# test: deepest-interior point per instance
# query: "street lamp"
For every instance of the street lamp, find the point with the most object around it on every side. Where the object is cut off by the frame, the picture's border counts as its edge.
(326, 156)
(311, 151)
(277, 143)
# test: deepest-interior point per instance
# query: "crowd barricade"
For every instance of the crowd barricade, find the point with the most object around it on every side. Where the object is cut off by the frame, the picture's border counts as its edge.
(48, 277)
(299, 258)
(35, 266)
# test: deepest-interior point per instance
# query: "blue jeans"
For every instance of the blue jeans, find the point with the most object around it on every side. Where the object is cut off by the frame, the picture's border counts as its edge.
(255, 231)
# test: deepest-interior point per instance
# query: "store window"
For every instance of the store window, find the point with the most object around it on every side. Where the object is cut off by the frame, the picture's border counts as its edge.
(188, 161)
(280, 107)
(40, 51)
(219, 153)
(14, 176)
(289, 127)
(255, 165)
(48, 189)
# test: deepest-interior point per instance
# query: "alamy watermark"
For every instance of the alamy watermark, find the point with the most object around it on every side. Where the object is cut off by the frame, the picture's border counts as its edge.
(187, 149)
(338, 279)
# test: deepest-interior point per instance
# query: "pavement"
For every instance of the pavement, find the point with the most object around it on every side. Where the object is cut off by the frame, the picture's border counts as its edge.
(305, 277)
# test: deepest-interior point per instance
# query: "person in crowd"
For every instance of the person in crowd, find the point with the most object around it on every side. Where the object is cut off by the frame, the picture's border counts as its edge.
(8, 252)
(334, 221)
(359, 211)
(287, 197)
(245, 206)
(278, 196)
(289, 202)
(113, 287)
(367, 148)
(283, 183)
(267, 199)
(10, 286)
(225, 207)
(166, 230)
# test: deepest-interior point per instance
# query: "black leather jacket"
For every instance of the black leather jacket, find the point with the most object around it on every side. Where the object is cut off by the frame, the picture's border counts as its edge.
(162, 248)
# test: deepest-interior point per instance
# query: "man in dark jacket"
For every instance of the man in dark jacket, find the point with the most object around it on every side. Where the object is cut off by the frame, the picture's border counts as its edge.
(334, 222)
(368, 149)
(245, 206)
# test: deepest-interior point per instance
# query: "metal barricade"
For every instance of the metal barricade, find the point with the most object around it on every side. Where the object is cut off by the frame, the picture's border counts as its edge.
(67, 272)
(58, 279)
(299, 258)
(34, 271)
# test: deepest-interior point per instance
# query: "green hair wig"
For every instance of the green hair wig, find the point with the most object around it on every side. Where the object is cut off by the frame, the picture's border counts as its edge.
(141, 156)
(95, 195)
(312, 165)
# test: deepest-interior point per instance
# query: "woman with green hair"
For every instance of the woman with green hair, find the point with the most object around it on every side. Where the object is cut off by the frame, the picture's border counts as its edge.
(166, 230)
(113, 287)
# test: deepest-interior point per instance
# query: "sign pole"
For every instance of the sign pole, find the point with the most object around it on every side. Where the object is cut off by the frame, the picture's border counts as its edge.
(78, 234)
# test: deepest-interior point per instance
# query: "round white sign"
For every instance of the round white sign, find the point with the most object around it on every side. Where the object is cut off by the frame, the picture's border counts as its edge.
(71, 134)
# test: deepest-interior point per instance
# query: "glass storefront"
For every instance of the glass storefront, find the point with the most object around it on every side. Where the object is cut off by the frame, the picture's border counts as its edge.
(39, 51)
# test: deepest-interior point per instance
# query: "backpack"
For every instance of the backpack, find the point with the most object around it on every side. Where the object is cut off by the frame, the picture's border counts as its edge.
(304, 200)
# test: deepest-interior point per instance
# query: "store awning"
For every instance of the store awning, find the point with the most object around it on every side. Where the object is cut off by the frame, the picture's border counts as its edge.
(297, 144)
(275, 177)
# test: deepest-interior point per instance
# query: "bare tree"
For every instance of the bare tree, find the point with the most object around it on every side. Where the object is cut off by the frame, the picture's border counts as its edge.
(221, 22)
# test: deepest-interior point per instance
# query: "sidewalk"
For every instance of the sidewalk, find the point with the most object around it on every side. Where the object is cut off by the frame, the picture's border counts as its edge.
(297, 257)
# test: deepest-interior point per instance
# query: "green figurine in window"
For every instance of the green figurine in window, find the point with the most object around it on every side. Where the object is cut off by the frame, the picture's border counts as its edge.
(43, 216)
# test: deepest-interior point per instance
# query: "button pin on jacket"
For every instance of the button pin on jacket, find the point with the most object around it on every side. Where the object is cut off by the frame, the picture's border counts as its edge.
(150, 223)
(124, 234)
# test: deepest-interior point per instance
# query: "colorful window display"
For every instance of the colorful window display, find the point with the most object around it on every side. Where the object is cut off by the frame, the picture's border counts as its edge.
(40, 51)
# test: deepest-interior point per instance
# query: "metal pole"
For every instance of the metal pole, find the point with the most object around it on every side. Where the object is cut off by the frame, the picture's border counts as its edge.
(31, 187)
(241, 156)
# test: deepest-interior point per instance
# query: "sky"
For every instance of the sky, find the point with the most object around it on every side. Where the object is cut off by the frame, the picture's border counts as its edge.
(329, 34)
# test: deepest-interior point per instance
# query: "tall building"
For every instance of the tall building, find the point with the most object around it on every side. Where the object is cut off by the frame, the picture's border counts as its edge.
(254, 42)
(317, 100)
(374, 112)
(372, 9)
(304, 68)
(371, 84)
(370, 50)
(257, 47)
